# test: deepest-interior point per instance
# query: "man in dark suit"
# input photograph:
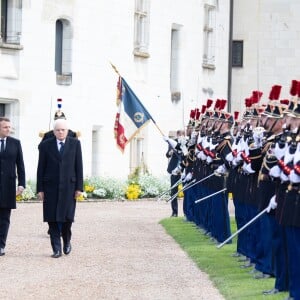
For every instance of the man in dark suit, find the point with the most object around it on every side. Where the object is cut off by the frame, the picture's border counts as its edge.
(11, 167)
(59, 183)
(59, 114)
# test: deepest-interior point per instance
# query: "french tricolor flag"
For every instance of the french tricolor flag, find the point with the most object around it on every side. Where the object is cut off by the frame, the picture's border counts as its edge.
(131, 117)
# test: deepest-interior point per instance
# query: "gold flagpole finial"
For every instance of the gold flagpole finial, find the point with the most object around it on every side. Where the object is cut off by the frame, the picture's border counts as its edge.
(114, 67)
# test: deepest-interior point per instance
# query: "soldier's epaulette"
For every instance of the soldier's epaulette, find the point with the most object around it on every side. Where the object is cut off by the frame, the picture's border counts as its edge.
(41, 134)
(251, 145)
(289, 139)
(78, 134)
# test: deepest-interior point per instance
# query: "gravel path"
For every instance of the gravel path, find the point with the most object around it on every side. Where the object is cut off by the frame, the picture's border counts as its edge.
(119, 252)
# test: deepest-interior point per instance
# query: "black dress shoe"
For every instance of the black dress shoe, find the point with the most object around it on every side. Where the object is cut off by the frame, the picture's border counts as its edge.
(56, 254)
(271, 292)
(2, 252)
(174, 215)
(67, 249)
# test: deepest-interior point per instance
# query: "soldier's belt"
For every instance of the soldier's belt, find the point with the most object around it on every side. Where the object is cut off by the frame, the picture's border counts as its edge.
(264, 177)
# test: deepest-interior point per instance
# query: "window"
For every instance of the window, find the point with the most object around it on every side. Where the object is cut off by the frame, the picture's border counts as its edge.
(10, 108)
(237, 53)
(209, 36)
(63, 52)
(11, 21)
(175, 63)
(137, 162)
(141, 28)
(2, 110)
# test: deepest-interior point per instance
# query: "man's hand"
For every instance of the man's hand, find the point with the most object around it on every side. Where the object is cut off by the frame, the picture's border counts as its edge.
(19, 190)
(40, 196)
(77, 194)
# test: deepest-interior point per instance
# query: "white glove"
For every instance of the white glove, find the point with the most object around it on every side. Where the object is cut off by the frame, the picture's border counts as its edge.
(294, 178)
(275, 172)
(272, 204)
(176, 171)
(209, 160)
(221, 170)
(247, 168)
(183, 175)
(184, 150)
(188, 177)
(229, 157)
(202, 156)
(172, 142)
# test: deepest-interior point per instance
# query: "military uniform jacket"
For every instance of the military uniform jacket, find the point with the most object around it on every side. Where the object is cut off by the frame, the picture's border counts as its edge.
(59, 176)
(11, 170)
(174, 159)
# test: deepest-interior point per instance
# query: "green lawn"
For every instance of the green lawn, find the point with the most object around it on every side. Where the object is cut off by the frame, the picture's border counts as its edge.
(224, 270)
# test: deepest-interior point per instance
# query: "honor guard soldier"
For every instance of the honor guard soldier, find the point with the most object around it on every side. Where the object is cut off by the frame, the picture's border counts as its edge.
(175, 154)
(287, 199)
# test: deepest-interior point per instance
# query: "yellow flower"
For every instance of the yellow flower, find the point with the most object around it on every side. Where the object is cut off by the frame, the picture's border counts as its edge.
(89, 188)
(133, 191)
(80, 197)
(19, 197)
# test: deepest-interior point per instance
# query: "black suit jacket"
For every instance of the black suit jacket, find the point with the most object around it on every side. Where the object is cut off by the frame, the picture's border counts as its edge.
(59, 176)
(12, 172)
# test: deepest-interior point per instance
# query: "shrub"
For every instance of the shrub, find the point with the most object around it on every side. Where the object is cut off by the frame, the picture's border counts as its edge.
(152, 186)
(135, 187)
(100, 187)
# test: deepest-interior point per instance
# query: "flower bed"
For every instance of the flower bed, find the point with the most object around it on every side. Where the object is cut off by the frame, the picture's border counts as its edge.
(136, 187)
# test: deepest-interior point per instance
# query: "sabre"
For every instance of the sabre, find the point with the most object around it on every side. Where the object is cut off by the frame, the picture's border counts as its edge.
(200, 180)
(165, 192)
(208, 196)
(183, 189)
(242, 228)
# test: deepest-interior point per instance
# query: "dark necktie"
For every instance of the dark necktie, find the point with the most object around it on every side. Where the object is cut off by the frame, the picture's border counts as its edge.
(2, 145)
(61, 149)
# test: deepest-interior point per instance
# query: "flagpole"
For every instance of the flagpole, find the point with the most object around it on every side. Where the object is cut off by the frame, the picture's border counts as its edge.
(115, 69)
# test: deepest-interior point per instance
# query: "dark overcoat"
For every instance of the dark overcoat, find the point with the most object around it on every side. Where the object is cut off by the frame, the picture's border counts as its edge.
(59, 176)
(12, 169)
